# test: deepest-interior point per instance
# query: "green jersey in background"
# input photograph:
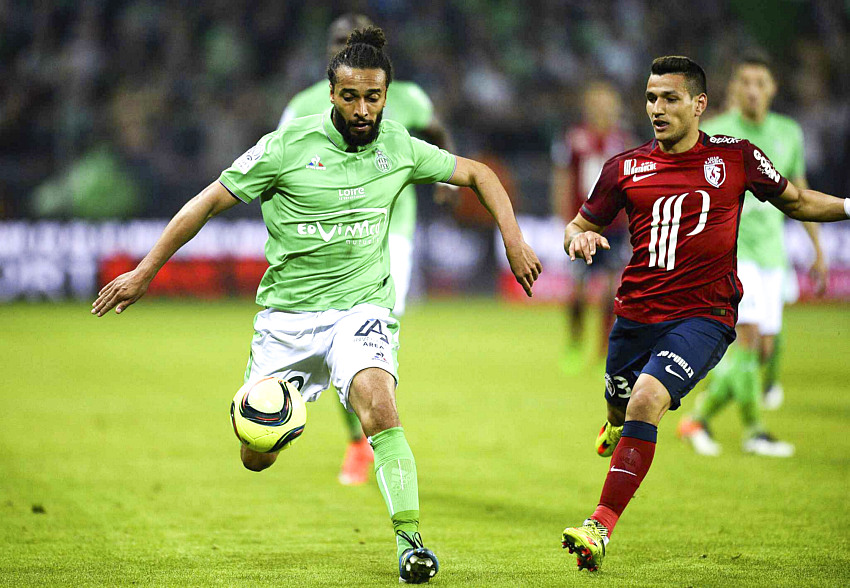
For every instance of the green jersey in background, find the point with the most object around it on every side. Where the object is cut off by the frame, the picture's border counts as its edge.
(407, 104)
(761, 234)
(327, 209)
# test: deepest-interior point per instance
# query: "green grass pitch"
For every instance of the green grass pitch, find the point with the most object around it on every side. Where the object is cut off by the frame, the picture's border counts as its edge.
(118, 465)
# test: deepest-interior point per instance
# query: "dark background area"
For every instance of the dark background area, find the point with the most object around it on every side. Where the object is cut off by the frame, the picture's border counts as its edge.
(127, 109)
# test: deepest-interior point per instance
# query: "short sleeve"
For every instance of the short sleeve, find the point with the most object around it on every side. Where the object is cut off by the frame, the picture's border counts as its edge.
(430, 163)
(256, 169)
(762, 179)
(606, 198)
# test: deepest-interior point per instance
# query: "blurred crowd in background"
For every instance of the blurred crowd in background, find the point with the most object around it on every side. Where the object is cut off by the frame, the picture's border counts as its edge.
(119, 109)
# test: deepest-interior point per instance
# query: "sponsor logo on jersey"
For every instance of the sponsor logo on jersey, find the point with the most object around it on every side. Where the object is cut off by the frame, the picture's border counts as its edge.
(724, 140)
(715, 171)
(636, 178)
(765, 167)
(631, 166)
(351, 193)
(316, 164)
(382, 161)
(679, 361)
(250, 158)
(365, 232)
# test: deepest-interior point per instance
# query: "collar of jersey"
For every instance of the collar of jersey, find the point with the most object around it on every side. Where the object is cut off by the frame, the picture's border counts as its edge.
(699, 146)
(335, 137)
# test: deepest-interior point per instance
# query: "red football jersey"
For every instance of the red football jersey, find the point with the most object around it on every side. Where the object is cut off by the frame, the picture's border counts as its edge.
(683, 212)
(584, 151)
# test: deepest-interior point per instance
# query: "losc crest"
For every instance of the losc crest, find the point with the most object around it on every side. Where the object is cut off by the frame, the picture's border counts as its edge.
(715, 171)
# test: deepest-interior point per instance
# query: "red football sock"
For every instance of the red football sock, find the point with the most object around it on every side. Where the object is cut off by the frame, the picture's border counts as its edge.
(629, 465)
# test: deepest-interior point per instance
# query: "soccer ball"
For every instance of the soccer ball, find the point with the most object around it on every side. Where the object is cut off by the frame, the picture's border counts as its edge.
(268, 415)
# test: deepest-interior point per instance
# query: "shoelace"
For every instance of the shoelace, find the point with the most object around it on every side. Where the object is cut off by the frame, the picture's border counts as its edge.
(415, 541)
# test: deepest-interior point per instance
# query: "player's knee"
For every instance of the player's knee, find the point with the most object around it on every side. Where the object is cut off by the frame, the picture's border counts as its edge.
(254, 461)
(648, 404)
(372, 395)
(378, 417)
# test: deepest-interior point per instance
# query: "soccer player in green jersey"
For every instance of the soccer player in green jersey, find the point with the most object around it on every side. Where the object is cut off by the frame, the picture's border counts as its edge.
(762, 265)
(326, 184)
(408, 104)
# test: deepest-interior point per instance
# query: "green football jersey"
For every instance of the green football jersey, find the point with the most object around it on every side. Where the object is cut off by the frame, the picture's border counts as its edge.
(761, 234)
(327, 209)
(407, 103)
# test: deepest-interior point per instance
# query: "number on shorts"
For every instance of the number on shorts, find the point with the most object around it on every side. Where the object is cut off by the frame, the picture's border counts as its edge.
(615, 383)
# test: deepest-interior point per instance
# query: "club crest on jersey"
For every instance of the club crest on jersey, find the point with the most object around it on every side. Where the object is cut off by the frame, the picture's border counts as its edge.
(382, 161)
(715, 171)
(316, 164)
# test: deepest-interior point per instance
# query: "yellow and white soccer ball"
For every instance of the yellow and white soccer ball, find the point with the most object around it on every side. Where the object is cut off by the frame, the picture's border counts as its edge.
(268, 415)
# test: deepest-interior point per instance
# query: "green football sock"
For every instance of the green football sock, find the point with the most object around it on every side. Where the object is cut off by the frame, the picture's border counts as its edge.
(395, 471)
(747, 389)
(771, 362)
(719, 391)
(355, 430)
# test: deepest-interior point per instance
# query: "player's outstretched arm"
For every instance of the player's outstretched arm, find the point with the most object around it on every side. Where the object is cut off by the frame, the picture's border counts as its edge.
(811, 205)
(582, 237)
(129, 287)
(521, 257)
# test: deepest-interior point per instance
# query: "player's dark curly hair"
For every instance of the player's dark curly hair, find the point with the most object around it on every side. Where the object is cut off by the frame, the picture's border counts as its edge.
(678, 64)
(364, 50)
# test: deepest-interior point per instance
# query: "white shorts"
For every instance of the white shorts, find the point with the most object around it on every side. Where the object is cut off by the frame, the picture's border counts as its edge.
(764, 295)
(314, 349)
(401, 266)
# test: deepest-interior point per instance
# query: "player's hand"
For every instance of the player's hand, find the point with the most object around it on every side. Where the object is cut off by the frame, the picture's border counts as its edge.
(819, 273)
(120, 293)
(524, 264)
(584, 245)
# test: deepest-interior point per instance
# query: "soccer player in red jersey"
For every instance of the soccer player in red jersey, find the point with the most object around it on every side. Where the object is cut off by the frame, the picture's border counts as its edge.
(577, 158)
(677, 302)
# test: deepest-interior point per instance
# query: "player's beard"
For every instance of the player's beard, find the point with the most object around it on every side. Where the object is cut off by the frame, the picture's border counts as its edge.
(353, 139)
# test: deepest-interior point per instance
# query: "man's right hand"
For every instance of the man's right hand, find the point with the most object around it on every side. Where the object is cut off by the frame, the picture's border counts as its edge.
(583, 245)
(120, 293)
(524, 264)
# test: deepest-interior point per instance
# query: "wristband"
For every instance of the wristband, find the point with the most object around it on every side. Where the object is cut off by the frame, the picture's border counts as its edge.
(847, 207)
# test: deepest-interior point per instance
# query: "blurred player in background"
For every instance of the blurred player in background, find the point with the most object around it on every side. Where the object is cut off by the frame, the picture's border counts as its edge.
(327, 184)
(762, 268)
(678, 300)
(577, 158)
(407, 104)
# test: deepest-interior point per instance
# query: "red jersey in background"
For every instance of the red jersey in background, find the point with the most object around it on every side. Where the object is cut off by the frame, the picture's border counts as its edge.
(584, 151)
